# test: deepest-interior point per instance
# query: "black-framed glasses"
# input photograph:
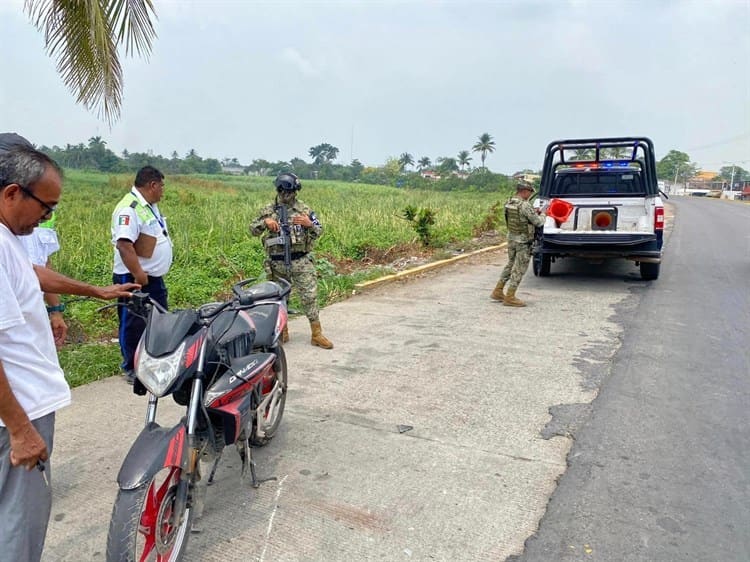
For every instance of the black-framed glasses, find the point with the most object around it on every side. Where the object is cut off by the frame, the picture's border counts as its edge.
(50, 210)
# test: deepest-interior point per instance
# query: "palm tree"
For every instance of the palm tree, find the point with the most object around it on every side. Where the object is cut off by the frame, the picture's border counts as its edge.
(83, 37)
(583, 154)
(323, 153)
(423, 163)
(484, 145)
(617, 152)
(446, 165)
(405, 160)
(463, 159)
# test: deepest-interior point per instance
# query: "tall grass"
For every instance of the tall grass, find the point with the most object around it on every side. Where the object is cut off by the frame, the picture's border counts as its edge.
(208, 219)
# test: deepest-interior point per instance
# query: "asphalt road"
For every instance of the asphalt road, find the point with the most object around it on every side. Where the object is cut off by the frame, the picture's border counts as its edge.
(493, 396)
(661, 470)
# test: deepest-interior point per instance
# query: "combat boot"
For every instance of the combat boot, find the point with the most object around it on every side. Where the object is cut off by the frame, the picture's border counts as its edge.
(497, 292)
(511, 300)
(285, 334)
(317, 336)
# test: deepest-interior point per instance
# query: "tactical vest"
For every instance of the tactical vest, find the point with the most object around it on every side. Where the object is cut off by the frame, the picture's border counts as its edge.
(513, 217)
(302, 242)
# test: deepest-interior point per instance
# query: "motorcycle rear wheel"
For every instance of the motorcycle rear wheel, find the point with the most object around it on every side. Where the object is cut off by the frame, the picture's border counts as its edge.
(278, 412)
(141, 529)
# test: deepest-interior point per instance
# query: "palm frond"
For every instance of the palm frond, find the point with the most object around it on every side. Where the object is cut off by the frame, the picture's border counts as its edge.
(133, 20)
(82, 36)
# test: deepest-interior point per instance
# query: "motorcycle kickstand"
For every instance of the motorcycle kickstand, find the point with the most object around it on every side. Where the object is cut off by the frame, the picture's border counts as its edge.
(247, 459)
(213, 469)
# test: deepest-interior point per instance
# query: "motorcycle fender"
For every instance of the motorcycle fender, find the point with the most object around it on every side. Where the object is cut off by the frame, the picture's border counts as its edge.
(155, 448)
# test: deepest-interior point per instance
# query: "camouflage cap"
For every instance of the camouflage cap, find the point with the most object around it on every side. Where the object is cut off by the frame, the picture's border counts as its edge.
(9, 141)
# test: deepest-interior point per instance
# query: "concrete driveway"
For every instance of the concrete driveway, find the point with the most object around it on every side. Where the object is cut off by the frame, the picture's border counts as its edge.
(419, 437)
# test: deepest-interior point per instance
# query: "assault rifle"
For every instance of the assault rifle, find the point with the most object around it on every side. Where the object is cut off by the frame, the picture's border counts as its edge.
(286, 236)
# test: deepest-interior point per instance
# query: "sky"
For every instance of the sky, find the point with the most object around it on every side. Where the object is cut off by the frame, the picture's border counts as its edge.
(270, 79)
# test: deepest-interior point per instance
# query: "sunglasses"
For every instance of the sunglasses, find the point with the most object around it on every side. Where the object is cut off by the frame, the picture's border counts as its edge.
(49, 210)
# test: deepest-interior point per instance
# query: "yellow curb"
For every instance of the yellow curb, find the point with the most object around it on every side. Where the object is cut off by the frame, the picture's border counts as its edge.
(425, 267)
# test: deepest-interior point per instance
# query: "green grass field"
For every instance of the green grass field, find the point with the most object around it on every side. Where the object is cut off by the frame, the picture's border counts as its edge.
(208, 218)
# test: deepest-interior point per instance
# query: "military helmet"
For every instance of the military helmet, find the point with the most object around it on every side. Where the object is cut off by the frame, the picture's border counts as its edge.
(287, 181)
(522, 184)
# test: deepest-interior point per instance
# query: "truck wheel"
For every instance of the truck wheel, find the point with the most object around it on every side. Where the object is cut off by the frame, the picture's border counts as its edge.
(541, 264)
(650, 271)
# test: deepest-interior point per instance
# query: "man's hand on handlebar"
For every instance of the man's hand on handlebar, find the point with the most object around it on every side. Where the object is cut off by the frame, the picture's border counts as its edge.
(123, 290)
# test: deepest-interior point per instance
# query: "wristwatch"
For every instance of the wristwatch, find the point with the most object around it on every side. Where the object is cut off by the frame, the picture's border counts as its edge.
(57, 308)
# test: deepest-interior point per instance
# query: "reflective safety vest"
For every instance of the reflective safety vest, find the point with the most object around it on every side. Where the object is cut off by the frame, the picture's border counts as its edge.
(50, 222)
(143, 212)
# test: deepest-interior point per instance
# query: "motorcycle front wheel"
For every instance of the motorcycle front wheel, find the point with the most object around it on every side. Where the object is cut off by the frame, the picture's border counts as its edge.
(275, 410)
(143, 527)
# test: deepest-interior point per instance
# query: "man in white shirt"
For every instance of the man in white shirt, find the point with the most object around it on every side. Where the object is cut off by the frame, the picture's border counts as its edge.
(32, 385)
(40, 245)
(143, 254)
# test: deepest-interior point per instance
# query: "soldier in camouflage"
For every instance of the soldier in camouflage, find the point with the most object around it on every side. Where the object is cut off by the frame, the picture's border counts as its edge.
(521, 219)
(305, 229)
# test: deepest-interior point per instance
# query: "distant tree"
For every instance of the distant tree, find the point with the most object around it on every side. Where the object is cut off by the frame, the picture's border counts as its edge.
(734, 174)
(392, 169)
(405, 160)
(484, 145)
(84, 37)
(615, 153)
(446, 166)
(676, 166)
(583, 154)
(463, 159)
(356, 169)
(260, 167)
(323, 153)
(423, 163)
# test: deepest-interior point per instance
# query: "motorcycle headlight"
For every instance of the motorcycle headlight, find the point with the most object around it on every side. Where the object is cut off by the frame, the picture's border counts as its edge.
(158, 373)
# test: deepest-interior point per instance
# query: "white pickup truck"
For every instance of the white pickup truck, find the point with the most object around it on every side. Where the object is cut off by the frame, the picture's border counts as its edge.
(603, 201)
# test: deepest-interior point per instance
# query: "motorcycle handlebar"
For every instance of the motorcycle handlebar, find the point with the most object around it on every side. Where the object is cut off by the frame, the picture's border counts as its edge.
(140, 301)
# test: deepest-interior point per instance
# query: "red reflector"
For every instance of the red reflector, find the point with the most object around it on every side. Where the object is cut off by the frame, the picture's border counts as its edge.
(603, 220)
(659, 218)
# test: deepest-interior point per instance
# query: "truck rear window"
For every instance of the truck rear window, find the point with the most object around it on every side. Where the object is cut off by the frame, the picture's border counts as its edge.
(592, 184)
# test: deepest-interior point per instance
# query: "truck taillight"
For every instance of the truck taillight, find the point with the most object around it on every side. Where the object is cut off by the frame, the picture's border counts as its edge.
(659, 218)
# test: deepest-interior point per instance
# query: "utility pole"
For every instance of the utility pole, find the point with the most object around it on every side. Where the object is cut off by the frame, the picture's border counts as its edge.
(675, 177)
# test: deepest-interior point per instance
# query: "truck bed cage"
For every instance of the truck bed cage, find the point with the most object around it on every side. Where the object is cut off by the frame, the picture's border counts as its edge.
(600, 154)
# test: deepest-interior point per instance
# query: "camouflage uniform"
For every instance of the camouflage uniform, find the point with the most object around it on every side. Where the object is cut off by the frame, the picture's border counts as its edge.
(521, 219)
(302, 275)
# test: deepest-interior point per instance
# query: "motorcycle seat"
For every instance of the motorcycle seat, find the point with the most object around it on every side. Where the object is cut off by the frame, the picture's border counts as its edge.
(261, 291)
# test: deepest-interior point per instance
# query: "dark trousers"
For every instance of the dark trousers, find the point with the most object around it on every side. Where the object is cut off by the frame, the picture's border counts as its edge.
(132, 326)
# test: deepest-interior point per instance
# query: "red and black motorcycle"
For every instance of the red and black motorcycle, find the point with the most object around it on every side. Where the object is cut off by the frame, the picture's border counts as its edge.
(225, 363)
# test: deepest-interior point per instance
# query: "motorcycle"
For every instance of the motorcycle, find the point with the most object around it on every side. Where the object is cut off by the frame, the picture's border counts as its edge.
(225, 363)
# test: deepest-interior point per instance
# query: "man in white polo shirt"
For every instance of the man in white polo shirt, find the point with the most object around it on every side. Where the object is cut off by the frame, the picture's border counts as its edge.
(32, 385)
(143, 254)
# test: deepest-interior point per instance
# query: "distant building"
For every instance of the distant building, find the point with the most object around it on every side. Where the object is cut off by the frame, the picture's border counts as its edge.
(233, 170)
(430, 174)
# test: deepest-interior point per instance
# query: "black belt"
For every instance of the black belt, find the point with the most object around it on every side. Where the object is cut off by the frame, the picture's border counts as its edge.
(295, 256)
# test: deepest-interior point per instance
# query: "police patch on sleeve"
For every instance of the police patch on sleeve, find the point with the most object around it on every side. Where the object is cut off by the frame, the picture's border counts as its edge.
(123, 220)
(314, 218)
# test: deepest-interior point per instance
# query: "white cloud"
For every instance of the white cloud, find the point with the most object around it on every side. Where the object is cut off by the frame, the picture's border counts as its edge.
(294, 57)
